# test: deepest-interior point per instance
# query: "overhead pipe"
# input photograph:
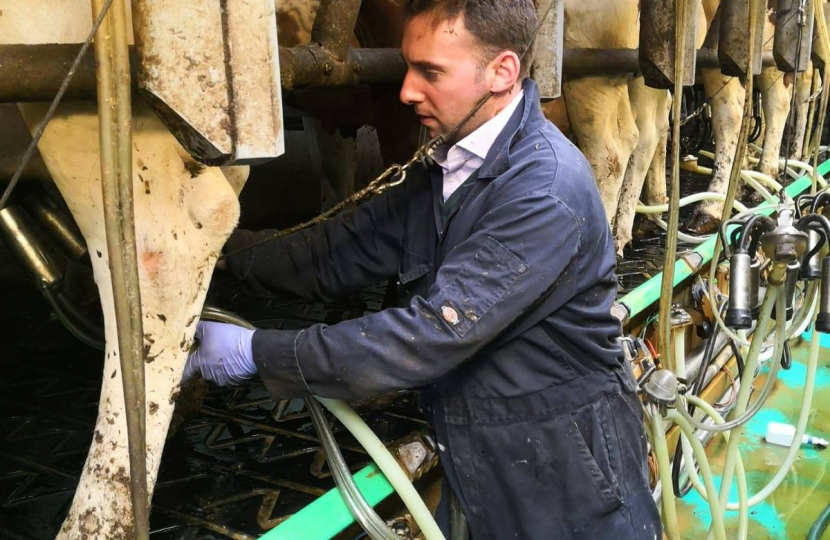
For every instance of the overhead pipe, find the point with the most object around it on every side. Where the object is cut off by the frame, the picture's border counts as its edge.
(35, 72)
(115, 124)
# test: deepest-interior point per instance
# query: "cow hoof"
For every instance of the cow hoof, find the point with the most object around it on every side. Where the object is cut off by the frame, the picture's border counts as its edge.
(645, 228)
(751, 197)
(703, 223)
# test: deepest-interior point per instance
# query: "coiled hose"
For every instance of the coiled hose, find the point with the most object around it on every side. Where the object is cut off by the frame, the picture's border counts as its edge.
(361, 510)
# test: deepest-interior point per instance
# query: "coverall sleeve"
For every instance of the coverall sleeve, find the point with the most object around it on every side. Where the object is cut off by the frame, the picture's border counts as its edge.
(522, 251)
(328, 261)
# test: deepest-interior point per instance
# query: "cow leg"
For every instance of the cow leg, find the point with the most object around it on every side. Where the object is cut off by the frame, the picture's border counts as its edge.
(803, 90)
(650, 108)
(600, 114)
(654, 190)
(776, 93)
(727, 102)
(812, 119)
(183, 214)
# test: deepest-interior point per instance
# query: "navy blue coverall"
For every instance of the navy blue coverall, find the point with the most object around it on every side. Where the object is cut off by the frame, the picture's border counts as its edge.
(504, 324)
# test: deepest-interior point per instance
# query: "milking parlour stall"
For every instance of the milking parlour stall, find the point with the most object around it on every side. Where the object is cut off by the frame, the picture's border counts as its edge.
(137, 135)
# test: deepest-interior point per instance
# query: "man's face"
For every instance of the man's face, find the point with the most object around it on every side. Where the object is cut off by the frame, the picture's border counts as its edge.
(445, 78)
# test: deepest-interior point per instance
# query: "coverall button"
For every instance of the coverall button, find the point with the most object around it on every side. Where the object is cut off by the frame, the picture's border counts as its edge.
(450, 315)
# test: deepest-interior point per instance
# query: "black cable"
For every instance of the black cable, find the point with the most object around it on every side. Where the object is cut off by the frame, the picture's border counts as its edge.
(815, 249)
(819, 524)
(708, 351)
(739, 359)
(818, 200)
(767, 225)
(735, 237)
(787, 356)
(746, 231)
(804, 197)
(94, 330)
(69, 322)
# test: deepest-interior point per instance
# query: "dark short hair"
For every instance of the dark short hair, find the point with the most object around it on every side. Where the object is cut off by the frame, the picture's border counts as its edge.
(497, 25)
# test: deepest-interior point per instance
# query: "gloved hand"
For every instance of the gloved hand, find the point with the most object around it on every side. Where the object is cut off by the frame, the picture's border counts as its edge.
(224, 355)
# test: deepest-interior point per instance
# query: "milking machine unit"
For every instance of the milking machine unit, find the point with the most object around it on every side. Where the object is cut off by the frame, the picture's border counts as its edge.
(46, 242)
(778, 268)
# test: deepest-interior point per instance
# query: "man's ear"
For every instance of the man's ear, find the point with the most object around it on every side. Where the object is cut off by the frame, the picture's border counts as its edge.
(506, 69)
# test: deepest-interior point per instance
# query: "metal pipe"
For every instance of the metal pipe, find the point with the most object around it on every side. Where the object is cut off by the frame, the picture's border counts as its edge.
(59, 225)
(313, 65)
(24, 239)
(667, 285)
(115, 121)
(334, 26)
(35, 72)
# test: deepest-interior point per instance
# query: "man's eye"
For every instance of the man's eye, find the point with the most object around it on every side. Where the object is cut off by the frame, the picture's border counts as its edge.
(431, 75)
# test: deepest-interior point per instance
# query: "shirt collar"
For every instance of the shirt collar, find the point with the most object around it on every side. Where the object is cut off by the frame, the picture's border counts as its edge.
(478, 142)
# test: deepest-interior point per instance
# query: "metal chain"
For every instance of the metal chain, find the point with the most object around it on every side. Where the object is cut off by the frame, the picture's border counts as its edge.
(697, 111)
(397, 174)
(814, 96)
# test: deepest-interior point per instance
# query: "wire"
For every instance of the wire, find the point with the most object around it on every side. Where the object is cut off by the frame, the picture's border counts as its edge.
(697, 387)
(733, 395)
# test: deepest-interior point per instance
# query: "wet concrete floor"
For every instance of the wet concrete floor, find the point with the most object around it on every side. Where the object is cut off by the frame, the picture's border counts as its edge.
(790, 511)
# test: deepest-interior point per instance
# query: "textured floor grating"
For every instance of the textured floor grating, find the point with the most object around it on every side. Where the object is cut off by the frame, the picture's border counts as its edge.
(235, 469)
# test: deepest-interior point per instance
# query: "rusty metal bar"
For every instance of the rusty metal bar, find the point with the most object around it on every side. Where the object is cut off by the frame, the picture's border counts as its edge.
(334, 26)
(602, 61)
(313, 65)
(115, 121)
(667, 285)
(34, 72)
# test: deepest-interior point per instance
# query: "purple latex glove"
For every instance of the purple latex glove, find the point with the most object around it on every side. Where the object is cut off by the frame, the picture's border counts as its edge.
(224, 355)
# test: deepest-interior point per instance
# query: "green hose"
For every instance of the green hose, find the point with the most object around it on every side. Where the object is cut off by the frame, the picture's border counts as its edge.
(661, 452)
(386, 463)
(819, 524)
(740, 474)
(358, 507)
(774, 295)
(705, 471)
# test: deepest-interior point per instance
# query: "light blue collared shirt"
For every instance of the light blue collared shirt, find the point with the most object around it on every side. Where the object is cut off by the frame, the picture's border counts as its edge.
(467, 155)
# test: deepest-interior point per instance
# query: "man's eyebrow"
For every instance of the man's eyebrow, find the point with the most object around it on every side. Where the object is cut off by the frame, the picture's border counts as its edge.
(425, 65)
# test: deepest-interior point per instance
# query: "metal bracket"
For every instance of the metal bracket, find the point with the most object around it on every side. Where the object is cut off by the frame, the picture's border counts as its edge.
(791, 19)
(547, 62)
(211, 72)
(733, 52)
(657, 42)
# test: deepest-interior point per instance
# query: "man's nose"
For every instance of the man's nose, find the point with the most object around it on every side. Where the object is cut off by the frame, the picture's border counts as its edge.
(410, 94)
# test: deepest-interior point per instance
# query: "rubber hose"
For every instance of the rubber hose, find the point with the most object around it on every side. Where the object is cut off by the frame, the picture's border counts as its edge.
(819, 524)
(68, 321)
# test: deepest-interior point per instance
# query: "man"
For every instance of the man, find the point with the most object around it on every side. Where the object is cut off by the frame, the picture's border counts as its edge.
(505, 266)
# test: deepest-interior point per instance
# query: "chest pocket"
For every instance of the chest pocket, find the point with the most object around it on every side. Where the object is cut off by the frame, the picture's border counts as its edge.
(412, 276)
(478, 286)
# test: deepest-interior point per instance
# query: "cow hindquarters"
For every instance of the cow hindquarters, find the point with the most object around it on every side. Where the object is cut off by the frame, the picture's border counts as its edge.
(183, 214)
(600, 114)
(776, 92)
(651, 109)
(726, 96)
(803, 91)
